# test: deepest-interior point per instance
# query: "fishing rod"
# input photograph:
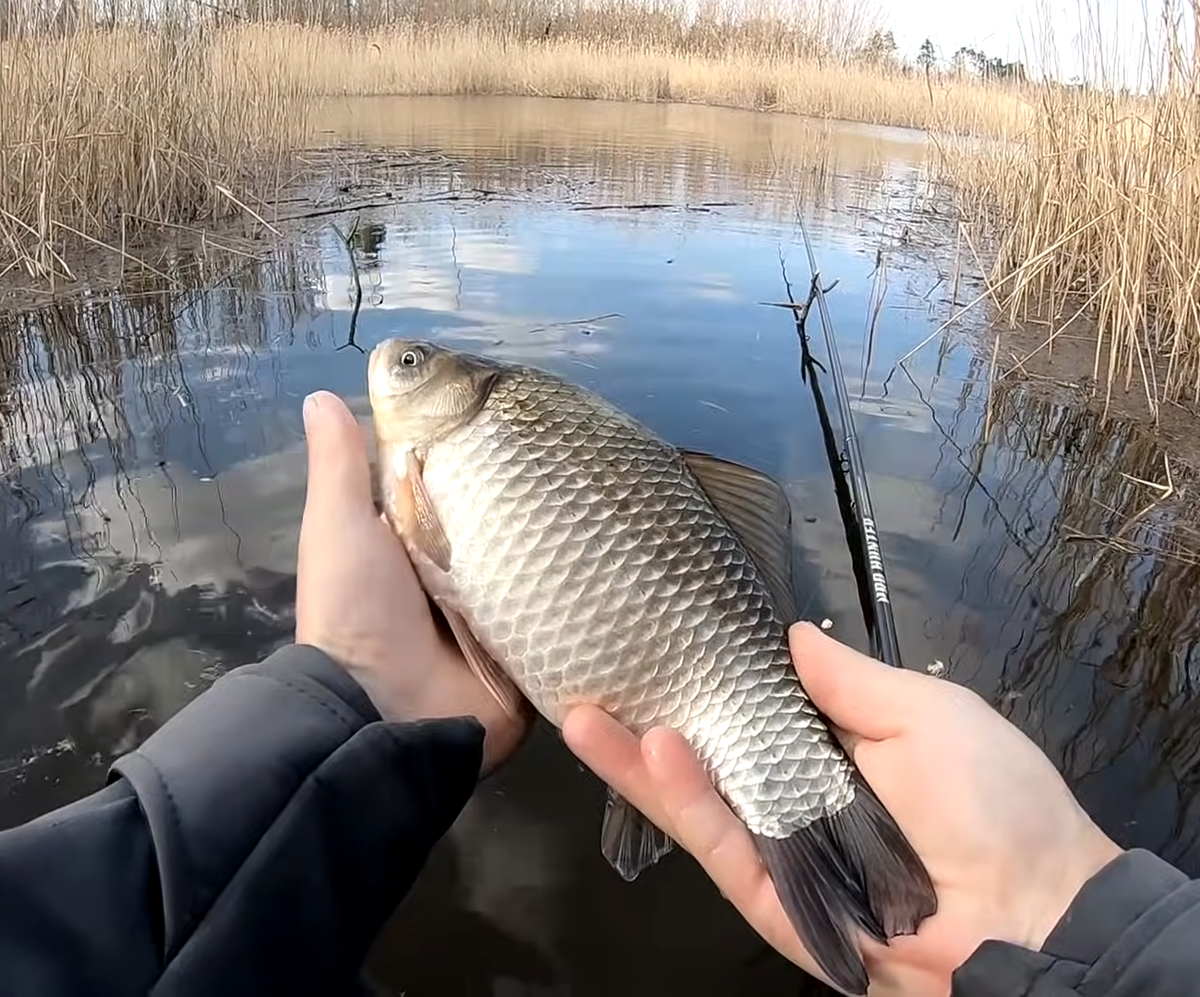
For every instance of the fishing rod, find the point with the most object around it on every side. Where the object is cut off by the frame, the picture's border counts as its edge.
(850, 480)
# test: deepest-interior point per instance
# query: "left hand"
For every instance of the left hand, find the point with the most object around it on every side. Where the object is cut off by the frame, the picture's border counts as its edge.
(358, 598)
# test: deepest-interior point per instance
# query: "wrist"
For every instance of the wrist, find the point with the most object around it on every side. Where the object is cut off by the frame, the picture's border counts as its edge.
(351, 657)
(1096, 852)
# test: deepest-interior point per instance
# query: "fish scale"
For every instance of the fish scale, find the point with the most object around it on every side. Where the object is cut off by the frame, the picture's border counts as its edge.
(580, 595)
(580, 559)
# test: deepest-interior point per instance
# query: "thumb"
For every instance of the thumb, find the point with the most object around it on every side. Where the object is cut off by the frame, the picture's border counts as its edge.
(339, 476)
(862, 696)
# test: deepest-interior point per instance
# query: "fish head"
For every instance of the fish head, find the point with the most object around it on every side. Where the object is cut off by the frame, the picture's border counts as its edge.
(420, 391)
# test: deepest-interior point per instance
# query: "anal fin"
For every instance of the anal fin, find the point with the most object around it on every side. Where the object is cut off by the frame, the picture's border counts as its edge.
(628, 839)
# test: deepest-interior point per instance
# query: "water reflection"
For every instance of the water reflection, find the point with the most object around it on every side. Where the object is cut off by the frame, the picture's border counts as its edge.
(151, 482)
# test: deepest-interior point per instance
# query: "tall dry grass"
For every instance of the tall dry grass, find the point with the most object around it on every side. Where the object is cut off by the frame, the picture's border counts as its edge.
(475, 60)
(105, 132)
(1093, 212)
(119, 116)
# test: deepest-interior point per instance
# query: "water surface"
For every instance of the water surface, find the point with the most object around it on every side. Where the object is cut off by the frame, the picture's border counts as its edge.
(152, 478)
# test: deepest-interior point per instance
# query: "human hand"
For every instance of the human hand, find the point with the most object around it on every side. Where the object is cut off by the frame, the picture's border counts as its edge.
(1005, 842)
(358, 598)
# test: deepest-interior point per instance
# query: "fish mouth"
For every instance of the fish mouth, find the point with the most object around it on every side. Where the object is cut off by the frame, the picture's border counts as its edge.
(377, 370)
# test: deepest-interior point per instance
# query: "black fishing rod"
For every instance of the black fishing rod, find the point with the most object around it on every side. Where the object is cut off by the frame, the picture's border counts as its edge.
(850, 480)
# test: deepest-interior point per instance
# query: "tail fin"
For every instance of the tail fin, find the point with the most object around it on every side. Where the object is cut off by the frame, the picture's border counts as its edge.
(852, 868)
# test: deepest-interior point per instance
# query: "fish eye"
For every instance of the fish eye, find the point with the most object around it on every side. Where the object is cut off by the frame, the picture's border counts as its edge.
(410, 358)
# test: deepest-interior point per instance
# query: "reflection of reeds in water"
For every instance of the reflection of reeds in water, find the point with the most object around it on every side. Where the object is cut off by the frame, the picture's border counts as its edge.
(1114, 643)
(102, 376)
(608, 154)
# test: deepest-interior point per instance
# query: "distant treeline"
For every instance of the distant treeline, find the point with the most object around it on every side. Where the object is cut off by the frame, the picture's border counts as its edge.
(880, 48)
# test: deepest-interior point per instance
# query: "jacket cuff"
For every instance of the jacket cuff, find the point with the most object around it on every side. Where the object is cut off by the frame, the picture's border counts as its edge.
(213, 779)
(1116, 914)
(305, 663)
(1110, 903)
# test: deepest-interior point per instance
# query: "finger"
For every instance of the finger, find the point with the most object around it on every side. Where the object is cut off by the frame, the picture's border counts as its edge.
(610, 751)
(706, 826)
(864, 697)
(710, 831)
(339, 477)
(848, 740)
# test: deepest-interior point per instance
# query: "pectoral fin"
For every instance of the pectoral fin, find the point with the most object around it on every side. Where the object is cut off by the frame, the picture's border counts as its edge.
(628, 839)
(419, 519)
(758, 511)
(378, 495)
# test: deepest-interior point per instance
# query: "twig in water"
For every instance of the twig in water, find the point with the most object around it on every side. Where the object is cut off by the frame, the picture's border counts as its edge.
(358, 293)
(991, 395)
(120, 252)
(1117, 541)
(577, 321)
(222, 189)
(653, 206)
(387, 203)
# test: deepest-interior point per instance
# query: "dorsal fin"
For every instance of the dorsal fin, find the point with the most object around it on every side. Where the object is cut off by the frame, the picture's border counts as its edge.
(758, 511)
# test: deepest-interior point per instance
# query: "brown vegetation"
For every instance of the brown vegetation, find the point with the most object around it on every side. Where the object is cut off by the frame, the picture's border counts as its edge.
(1093, 213)
(113, 121)
(102, 132)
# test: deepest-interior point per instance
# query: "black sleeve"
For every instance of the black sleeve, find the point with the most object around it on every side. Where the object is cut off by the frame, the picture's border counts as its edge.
(1132, 931)
(255, 844)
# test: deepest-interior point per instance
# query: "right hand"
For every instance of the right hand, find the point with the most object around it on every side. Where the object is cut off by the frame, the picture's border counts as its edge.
(1006, 843)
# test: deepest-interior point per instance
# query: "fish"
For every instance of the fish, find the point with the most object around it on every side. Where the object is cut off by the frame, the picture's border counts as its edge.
(578, 557)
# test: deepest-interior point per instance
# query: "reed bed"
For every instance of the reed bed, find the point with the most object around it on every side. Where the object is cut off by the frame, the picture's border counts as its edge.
(473, 59)
(1093, 216)
(120, 117)
(1084, 201)
(103, 132)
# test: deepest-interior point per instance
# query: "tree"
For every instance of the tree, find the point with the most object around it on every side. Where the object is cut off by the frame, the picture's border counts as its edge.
(987, 67)
(927, 56)
(880, 47)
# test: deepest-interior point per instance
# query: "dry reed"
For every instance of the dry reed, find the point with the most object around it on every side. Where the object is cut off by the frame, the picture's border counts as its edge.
(1094, 213)
(103, 132)
(176, 113)
(476, 60)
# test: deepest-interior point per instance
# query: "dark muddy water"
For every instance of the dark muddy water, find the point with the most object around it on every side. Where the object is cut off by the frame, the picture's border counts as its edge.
(152, 476)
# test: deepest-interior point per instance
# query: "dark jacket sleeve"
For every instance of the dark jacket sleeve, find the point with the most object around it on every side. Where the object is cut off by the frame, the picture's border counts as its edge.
(255, 844)
(1132, 931)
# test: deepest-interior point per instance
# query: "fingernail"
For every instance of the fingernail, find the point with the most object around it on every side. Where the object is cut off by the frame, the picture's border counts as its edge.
(312, 405)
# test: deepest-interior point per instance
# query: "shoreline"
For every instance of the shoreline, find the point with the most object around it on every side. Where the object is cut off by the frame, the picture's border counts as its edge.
(1063, 188)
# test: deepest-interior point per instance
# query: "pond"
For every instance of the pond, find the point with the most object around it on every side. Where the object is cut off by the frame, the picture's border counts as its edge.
(152, 479)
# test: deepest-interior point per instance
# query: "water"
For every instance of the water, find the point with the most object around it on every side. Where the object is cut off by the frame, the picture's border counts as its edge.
(151, 482)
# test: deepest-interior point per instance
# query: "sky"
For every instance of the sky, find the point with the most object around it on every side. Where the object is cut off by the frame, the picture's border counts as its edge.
(1012, 29)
